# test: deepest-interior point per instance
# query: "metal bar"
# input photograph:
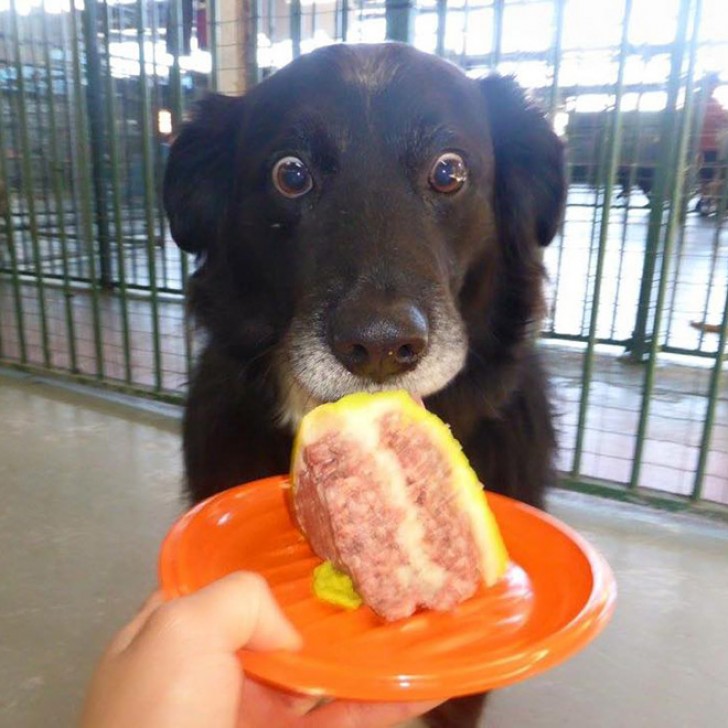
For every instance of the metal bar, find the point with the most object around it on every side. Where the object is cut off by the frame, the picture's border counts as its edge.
(642, 496)
(638, 148)
(177, 116)
(582, 339)
(639, 343)
(620, 265)
(441, 26)
(187, 326)
(70, 143)
(212, 36)
(641, 337)
(613, 151)
(27, 184)
(82, 142)
(498, 10)
(128, 152)
(553, 105)
(149, 188)
(399, 17)
(625, 218)
(680, 147)
(296, 27)
(714, 256)
(109, 385)
(97, 136)
(713, 391)
(58, 170)
(556, 59)
(41, 180)
(466, 18)
(645, 51)
(271, 19)
(716, 372)
(344, 20)
(175, 72)
(136, 288)
(111, 120)
(12, 250)
(250, 44)
(157, 103)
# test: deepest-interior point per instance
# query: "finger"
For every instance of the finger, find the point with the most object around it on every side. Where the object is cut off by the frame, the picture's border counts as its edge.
(353, 714)
(127, 634)
(237, 611)
(263, 705)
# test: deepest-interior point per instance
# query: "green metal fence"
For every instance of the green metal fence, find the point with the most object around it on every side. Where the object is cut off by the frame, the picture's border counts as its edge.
(91, 283)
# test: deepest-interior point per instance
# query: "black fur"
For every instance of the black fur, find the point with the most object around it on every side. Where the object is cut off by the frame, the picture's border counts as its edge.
(370, 230)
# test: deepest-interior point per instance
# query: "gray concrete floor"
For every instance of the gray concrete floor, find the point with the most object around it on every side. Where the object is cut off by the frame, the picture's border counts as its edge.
(88, 491)
(90, 486)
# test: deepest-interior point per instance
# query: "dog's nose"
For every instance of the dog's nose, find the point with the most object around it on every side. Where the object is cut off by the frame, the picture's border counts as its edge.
(378, 341)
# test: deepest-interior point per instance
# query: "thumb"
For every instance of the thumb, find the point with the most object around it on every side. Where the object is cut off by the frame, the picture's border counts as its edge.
(238, 611)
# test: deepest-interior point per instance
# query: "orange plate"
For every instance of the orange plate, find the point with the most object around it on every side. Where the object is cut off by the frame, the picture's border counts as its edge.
(557, 596)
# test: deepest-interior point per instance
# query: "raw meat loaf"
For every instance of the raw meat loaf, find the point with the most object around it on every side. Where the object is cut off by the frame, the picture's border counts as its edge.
(383, 490)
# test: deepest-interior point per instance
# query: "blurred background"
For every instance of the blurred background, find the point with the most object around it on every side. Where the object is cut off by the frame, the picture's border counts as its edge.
(91, 284)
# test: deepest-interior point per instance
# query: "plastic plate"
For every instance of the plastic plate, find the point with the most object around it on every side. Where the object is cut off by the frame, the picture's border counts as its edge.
(556, 597)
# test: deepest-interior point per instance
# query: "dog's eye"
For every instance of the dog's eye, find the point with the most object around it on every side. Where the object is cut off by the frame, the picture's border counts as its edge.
(291, 177)
(449, 173)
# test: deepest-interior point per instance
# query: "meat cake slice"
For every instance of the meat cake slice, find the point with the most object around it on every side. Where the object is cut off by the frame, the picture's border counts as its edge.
(383, 490)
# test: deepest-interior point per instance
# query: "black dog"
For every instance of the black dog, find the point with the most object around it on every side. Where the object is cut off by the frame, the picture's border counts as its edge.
(367, 218)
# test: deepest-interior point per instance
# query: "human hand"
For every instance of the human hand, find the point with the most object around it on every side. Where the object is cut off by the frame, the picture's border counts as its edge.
(175, 666)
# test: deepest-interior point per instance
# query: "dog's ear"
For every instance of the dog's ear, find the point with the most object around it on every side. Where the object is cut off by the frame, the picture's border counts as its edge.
(530, 185)
(199, 172)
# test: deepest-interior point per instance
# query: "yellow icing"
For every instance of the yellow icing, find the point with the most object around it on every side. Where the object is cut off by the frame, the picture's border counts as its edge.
(333, 586)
